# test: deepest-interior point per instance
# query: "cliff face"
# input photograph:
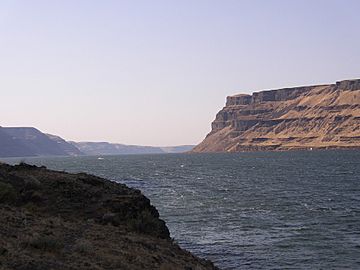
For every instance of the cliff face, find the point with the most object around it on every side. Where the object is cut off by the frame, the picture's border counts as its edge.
(310, 117)
(56, 220)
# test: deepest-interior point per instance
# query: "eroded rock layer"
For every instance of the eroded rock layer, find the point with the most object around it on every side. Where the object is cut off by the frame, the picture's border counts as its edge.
(310, 117)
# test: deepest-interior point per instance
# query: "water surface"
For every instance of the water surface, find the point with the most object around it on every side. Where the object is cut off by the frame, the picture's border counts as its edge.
(287, 210)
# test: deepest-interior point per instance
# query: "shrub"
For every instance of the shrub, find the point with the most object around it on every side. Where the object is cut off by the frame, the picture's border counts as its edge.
(83, 246)
(146, 223)
(43, 242)
(7, 193)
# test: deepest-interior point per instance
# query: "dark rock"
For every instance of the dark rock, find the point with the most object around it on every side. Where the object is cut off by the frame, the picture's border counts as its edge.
(8, 194)
(111, 218)
(50, 220)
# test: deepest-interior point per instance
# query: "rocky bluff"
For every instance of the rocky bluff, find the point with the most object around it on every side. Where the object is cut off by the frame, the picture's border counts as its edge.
(309, 117)
(57, 220)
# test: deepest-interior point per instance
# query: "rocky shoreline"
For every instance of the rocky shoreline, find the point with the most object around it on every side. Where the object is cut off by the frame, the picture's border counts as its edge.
(58, 220)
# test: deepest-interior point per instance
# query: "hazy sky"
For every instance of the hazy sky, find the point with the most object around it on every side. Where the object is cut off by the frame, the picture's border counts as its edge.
(156, 72)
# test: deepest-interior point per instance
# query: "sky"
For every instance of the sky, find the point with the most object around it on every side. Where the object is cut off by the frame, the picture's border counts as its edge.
(157, 72)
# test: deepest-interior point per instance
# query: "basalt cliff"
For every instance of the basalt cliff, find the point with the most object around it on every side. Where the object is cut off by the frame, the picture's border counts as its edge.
(309, 117)
(56, 220)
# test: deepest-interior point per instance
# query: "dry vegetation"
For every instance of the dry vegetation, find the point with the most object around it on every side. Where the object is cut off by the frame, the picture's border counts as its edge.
(56, 220)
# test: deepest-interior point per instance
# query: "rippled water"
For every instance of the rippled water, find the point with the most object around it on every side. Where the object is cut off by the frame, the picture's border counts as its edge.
(292, 210)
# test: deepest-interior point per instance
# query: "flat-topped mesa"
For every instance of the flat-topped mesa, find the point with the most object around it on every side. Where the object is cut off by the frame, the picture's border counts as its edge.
(269, 95)
(241, 99)
(350, 85)
(280, 94)
(317, 116)
(225, 118)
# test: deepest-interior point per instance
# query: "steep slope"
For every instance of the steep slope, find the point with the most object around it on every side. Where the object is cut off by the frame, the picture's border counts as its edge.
(12, 147)
(65, 146)
(37, 142)
(60, 221)
(310, 117)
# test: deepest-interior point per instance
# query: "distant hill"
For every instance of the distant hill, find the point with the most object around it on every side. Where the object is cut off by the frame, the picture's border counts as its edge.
(105, 148)
(12, 147)
(177, 149)
(29, 141)
(65, 146)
